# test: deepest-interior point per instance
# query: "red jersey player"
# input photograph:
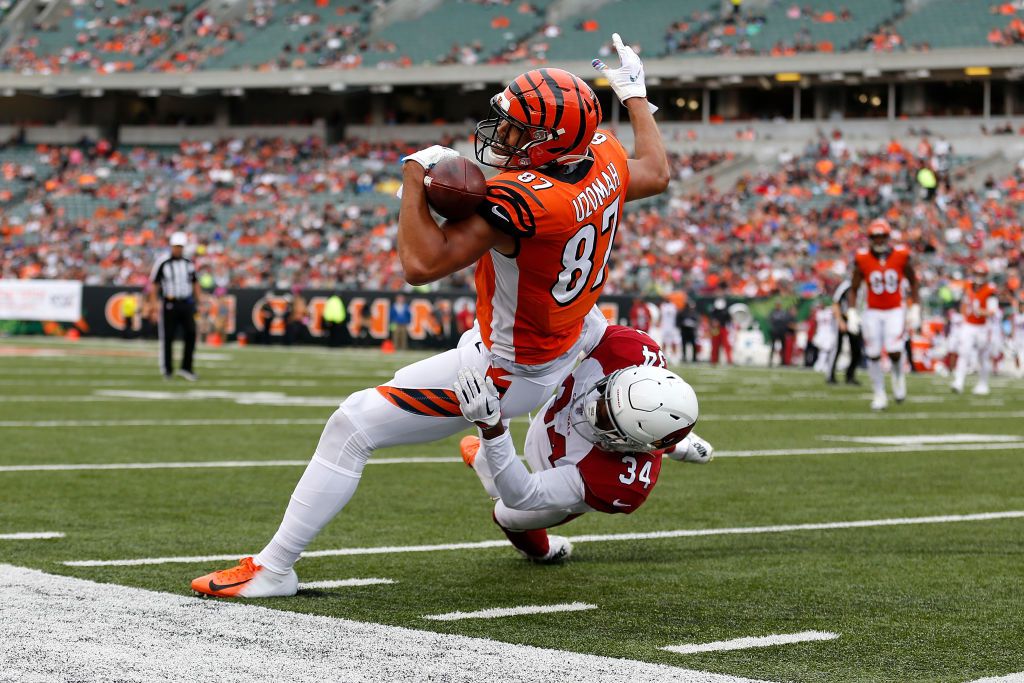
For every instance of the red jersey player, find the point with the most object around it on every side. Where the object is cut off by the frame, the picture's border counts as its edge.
(884, 267)
(597, 445)
(541, 241)
(978, 305)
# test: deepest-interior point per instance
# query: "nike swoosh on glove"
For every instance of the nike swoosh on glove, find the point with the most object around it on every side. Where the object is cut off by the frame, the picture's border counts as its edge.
(478, 398)
(628, 80)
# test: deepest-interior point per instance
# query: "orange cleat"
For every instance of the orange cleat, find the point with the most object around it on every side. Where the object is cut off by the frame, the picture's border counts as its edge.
(247, 580)
(468, 448)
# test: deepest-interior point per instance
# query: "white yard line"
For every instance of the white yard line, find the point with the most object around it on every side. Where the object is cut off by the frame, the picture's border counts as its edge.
(45, 617)
(744, 643)
(769, 417)
(774, 452)
(590, 538)
(344, 583)
(848, 450)
(185, 422)
(920, 439)
(205, 464)
(31, 535)
(497, 612)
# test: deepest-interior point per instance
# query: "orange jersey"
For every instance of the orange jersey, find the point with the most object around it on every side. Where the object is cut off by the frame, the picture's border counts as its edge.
(975, 301)
(883, 276)
(531, 305)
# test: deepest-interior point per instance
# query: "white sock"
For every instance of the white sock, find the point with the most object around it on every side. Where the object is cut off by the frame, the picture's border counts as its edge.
(876, 375)
(327, 485)
(961, 371)
(984, 369)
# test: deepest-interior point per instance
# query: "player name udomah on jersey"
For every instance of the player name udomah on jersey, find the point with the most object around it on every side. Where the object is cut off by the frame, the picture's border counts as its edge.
(594, 196)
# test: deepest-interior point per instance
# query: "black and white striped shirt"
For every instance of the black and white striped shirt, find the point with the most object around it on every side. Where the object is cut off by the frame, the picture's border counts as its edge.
(175, 277)
(840, 296)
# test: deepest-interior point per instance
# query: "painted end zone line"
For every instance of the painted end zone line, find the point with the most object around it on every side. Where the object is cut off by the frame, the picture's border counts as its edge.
(344, 583)
(31, 536)
(497, 612)
(592, 538)
(744, 643)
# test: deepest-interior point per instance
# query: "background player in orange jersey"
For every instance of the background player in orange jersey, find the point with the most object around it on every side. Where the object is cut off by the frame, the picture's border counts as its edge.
(978, 305)
(541, 241)
(883, 267)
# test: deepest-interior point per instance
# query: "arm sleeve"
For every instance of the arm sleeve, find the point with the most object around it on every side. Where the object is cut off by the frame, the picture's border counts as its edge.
(520, 489)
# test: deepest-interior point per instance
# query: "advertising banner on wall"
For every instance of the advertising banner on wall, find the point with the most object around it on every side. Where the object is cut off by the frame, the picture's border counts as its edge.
(59, 300)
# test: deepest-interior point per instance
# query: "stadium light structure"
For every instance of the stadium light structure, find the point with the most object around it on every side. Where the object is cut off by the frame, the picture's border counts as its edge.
(788, 77)
(975, 71)
(337, 86)
(149, 92)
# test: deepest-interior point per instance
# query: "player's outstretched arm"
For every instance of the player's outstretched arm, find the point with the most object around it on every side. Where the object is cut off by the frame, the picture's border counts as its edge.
(649, 171)
(427, 251)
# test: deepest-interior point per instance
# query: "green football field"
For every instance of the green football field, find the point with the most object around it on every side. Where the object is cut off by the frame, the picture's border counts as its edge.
(899, 534)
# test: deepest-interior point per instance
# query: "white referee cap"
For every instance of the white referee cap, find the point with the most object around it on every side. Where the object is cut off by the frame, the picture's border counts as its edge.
(179, 239)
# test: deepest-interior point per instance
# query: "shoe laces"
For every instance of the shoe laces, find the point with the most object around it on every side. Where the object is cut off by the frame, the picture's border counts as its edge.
(246, 568)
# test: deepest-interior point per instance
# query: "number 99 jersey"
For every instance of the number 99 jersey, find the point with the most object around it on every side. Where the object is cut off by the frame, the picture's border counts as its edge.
(531, 305)
(883, 276)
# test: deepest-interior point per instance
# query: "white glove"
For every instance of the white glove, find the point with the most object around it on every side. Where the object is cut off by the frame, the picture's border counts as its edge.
(693, 449)
(853, 321)
(914, 317)
(429, 157)
(628, 80)
(478, 398)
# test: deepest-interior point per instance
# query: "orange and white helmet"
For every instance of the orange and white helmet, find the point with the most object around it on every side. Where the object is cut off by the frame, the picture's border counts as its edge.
(555, 112)
(638, 409)
(879, 228)
(979, 269)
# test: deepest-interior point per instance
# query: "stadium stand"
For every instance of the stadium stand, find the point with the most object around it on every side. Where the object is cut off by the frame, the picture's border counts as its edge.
(949, 23)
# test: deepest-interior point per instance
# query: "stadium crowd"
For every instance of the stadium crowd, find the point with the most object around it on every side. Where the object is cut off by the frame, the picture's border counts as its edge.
(273, 213)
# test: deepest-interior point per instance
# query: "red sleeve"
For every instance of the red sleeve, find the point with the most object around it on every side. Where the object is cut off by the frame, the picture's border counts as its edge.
(618, 482)
(623, 347)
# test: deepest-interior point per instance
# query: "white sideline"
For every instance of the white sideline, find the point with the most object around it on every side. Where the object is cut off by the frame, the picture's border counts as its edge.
(1008, 678)
(31, 535)
(744, 643)
(589, 538)
(62, 628)
(497, 612)
(344, 583)
(217, 464)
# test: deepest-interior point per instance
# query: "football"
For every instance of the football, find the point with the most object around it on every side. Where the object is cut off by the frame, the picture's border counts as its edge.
(455, 188)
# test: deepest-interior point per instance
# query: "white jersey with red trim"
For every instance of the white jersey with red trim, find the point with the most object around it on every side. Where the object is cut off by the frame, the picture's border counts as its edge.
(612, 482)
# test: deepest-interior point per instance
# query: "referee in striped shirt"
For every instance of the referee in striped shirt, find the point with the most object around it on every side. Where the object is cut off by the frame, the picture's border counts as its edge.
(840, 304)
(174, 281)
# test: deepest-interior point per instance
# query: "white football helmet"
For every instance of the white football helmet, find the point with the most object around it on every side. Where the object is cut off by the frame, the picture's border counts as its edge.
(638, 409)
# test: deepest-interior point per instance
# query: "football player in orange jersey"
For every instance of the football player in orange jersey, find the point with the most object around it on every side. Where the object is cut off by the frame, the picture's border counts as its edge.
(541, 241)
(978, 305)
(884, 267)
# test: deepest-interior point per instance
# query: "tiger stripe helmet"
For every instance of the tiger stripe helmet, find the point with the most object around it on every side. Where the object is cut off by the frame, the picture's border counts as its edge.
(555, 112)
(879, 228)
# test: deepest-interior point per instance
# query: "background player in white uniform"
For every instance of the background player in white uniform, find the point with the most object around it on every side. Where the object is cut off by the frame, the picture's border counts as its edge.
(543, 134)
(671, 337)
(595, 446)
(979, 305)
(826, 337)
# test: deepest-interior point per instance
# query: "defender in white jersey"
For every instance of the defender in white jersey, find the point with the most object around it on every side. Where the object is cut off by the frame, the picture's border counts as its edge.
(597, 445)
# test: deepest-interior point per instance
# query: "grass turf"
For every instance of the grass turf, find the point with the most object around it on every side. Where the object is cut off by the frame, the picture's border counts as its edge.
(925, 602)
